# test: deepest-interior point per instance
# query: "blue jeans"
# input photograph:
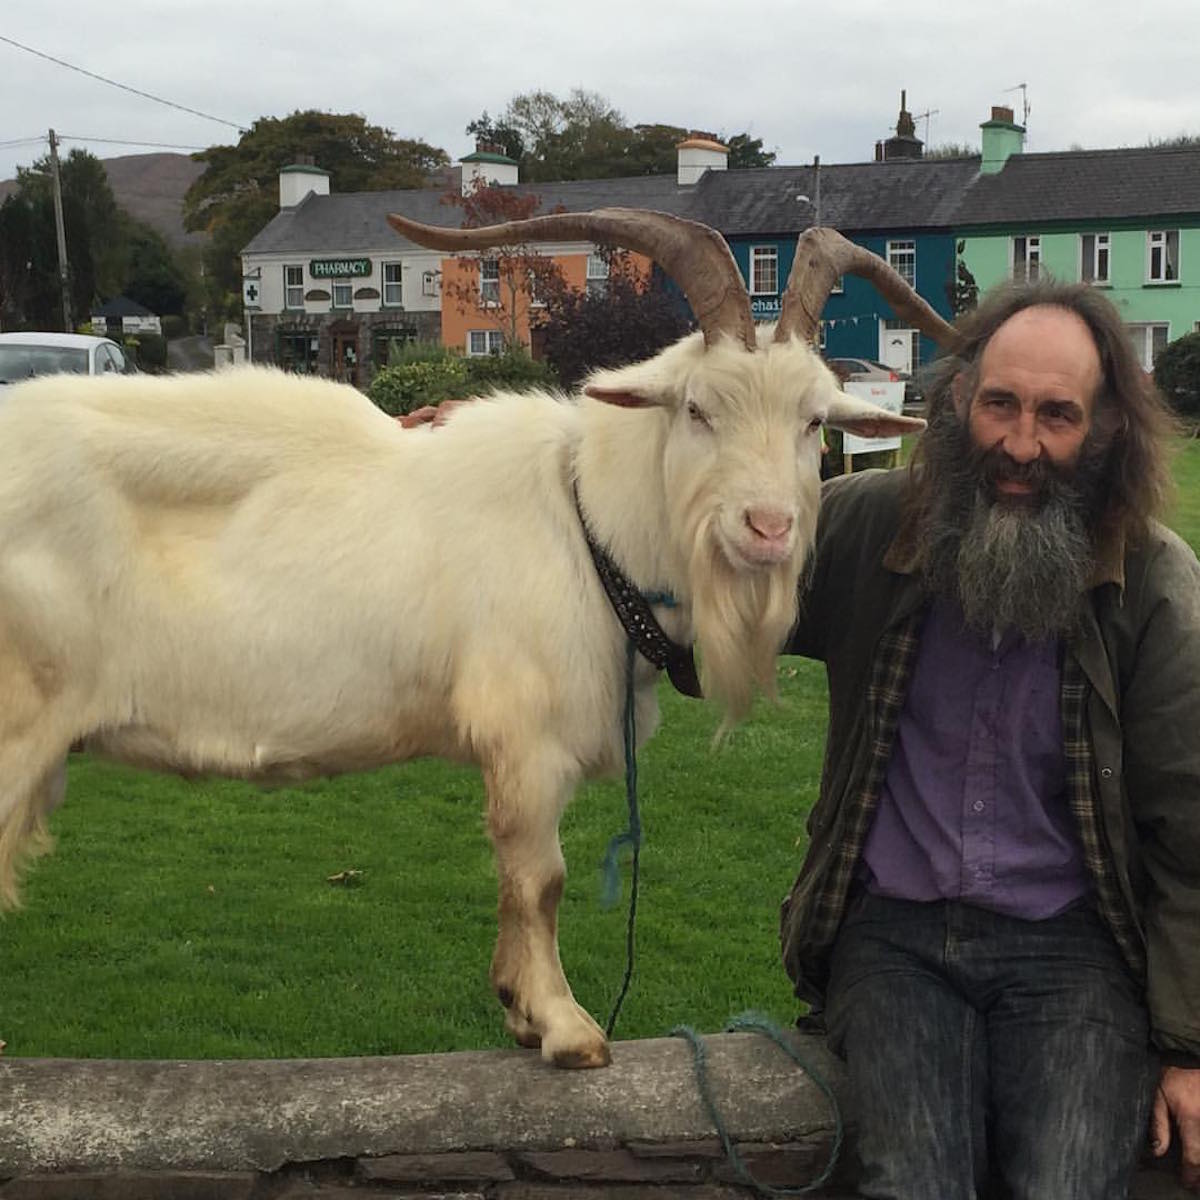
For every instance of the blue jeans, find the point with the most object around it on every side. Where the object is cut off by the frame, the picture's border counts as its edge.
(984, 1047)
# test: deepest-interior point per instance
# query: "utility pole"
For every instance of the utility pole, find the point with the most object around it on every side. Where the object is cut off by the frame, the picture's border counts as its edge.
(61, 232)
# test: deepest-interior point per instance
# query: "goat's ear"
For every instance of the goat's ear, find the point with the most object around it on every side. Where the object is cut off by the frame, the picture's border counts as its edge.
(867, 420)
(621, 397)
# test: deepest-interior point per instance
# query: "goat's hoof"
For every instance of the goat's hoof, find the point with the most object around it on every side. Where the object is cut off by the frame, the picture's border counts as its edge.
(576, 1058)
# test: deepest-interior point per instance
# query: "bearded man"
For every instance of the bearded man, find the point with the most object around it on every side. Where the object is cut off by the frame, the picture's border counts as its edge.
(999, 914)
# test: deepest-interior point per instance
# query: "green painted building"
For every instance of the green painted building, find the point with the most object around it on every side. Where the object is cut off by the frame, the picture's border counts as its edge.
(1127, 221)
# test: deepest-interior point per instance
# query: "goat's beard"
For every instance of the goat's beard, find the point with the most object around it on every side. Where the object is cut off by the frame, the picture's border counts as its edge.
(1011, 562)
(741, 619)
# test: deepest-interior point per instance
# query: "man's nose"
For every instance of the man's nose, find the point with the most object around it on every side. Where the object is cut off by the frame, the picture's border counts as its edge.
(1021, 442)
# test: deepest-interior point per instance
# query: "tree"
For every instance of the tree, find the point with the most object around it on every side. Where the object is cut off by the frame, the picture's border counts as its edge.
(155, 277)
(96, 235)
(951, 150)
(1177, 374)
(745, 151)
(238, 192)
(962, 292)
(584, 137)
(516, 272)
(632, 318)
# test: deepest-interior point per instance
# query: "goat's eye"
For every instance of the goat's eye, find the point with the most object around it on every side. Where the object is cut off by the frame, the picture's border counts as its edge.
(815, 424)
(698, 414)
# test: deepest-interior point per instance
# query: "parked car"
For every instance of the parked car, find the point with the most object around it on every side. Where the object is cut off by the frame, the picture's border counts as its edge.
(23, 355)
(865, 370)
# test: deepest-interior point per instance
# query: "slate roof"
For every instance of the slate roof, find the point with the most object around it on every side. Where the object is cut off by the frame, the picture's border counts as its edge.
(353, 221)
(855, 197)
(121, 306)
(1086, 185)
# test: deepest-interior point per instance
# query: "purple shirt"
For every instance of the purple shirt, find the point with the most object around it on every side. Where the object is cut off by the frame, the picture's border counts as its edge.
(974, 804)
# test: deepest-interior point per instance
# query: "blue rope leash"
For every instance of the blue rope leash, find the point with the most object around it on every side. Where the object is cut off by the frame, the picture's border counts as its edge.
(761, 1024)
(633, 834)
(746, 1021)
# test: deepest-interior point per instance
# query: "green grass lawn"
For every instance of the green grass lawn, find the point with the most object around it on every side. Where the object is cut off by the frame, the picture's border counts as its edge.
(184, 919)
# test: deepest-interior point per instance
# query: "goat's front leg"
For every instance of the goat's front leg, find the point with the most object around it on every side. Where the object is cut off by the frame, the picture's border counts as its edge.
(525, 800)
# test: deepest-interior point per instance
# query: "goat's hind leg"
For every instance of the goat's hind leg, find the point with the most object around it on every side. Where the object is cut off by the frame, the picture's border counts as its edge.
(525, 800)
(30, 787)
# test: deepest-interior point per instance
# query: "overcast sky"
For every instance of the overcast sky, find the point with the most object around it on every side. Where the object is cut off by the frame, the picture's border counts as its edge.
(807, 78)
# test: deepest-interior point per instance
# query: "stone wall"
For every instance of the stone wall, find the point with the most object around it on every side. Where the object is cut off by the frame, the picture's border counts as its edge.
(499, 1125)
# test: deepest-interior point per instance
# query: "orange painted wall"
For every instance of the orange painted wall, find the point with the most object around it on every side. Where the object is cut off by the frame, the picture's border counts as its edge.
(463, 273)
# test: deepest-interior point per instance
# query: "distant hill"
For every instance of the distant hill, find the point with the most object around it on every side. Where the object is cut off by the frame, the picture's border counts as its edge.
(149, 187)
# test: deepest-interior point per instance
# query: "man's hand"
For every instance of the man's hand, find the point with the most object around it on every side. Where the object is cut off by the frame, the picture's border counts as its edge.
(429, 414)
(1178, 1100)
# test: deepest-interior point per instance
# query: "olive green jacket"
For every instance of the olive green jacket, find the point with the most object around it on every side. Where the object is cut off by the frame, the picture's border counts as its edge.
(1139, 653)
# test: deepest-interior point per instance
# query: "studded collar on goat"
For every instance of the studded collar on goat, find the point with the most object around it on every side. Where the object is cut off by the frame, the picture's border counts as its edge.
(637, 619)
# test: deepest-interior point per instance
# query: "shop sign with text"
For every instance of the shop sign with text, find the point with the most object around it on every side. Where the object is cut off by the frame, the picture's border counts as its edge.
(339, 268)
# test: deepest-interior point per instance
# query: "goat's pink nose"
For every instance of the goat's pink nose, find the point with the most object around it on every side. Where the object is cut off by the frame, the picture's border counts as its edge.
(771, 523)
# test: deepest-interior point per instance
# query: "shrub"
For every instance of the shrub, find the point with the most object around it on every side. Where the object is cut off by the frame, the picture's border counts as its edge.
(149, 351)
(1177, 374)
(424, 373)
(512, 369)
(398, 390)
(174, 326)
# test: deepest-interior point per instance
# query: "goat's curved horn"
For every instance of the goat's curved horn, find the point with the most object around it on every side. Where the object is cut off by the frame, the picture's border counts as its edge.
(822, 254)
(696, 257)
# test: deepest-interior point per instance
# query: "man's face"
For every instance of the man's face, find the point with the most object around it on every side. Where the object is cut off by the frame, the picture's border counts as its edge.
(1033, 404)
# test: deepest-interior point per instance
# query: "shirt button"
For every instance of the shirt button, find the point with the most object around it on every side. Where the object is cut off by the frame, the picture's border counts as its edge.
(978, 806)
(1106, 772)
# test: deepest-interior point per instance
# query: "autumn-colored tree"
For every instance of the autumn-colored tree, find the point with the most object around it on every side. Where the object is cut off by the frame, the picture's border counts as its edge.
(501, 285)
(238, 192)
(633, 317)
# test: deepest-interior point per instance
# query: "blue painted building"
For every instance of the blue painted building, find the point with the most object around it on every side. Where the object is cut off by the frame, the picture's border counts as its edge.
(900, 209)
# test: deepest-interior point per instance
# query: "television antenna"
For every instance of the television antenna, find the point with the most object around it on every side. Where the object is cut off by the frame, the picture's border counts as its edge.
(1023, 88)
(929, 112)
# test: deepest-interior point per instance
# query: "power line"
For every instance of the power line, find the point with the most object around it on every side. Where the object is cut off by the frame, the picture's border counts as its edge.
(123, 86)
(78, 137)
(29, 141)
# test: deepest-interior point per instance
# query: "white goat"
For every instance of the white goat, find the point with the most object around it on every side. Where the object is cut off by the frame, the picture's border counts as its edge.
(262, 576)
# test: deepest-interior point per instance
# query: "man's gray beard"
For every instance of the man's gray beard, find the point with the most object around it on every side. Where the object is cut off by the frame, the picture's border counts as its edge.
(1021, 566)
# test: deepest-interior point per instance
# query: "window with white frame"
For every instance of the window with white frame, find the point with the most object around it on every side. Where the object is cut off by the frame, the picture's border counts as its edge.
(293, 287)
(1093, 257)
(1026, 258)
(902, 258)
(596, 281)
(764, 270)
(343, 293)
(431, 283)
(489, 281)
(484, 341)
(393, 290)
(1149, 340)
(1162, 256)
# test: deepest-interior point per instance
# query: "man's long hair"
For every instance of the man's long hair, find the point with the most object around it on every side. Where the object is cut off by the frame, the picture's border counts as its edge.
(1131, 425)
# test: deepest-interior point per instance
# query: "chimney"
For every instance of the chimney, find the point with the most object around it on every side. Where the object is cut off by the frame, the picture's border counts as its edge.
(486, 166)
(905, 143)
(302, 177)
(1001, 136)
(697, 153)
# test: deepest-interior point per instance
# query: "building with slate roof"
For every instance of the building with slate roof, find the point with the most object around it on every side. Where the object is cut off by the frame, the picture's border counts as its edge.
(329, 284)
(1124, 220)
(122, 315)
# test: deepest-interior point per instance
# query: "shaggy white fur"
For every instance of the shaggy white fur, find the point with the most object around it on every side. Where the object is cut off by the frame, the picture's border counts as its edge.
(262, 575)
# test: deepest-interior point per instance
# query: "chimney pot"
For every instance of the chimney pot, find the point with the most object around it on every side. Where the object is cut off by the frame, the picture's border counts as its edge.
(1001, 112)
